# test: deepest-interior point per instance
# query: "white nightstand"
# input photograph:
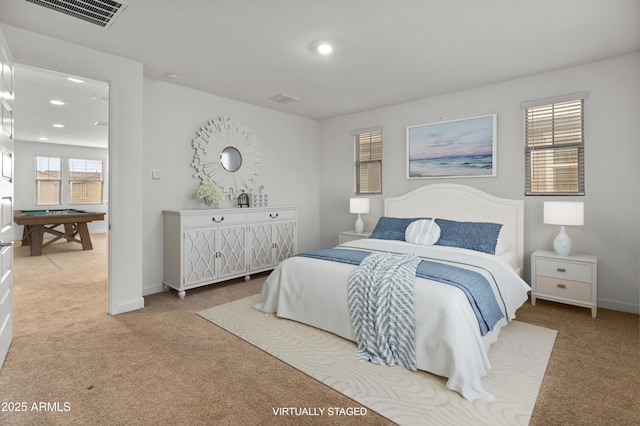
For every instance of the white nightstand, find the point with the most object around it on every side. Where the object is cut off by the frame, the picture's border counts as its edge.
(566, 279)
(352, 235)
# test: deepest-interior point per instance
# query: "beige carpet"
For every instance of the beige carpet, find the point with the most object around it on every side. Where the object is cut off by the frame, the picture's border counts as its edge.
(518, 359)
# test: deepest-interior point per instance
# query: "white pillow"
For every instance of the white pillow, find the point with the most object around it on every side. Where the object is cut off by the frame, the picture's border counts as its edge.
(424, 232)
(502, 245)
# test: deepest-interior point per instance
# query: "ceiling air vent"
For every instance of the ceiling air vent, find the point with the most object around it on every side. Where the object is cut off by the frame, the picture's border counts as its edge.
(283, 98)
(99, 12)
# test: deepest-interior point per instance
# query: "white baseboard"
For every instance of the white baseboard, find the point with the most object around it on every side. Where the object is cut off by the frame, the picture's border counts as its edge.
(153, 290)
(127, 307)
(618, 306)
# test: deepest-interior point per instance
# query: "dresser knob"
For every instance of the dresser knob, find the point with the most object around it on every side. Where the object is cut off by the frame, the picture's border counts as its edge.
(561, 285)
(562, 270)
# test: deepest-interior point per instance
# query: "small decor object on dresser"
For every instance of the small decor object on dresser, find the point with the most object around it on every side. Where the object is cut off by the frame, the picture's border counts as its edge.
(243, 200)
(565, 279)
(210, 194)
(259, 200)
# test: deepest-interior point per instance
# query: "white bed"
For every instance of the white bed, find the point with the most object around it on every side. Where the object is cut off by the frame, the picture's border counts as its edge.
(447, 337)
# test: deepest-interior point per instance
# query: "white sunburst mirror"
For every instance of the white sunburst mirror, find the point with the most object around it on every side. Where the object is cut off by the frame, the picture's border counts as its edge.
(226, 153)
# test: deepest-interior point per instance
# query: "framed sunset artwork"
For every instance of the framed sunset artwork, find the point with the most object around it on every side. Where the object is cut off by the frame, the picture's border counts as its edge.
(457, 148)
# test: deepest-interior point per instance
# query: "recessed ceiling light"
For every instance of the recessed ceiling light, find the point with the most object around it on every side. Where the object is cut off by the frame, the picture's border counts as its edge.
(324, 48)
(172, 75)
(43, 139)
(321, 47)
(75, 80)
(56, 102)
(58, 125)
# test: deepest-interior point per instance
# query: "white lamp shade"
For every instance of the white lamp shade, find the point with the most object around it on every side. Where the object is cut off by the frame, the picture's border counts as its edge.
(564, 213)
(359, 205)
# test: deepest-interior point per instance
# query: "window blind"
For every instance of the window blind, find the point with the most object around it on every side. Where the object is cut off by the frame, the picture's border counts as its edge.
(369, 162)
(554, 137)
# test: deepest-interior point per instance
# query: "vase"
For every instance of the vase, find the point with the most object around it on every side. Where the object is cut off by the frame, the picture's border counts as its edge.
(204, 205)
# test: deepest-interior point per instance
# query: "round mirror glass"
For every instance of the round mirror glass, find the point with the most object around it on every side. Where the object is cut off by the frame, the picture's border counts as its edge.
(231, 159)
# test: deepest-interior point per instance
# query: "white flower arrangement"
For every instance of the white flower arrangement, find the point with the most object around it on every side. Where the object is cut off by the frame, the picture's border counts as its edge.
(209, 192)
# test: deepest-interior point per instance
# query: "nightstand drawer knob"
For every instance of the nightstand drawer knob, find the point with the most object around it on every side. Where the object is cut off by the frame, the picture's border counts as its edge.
(561, 285)
(561, 270)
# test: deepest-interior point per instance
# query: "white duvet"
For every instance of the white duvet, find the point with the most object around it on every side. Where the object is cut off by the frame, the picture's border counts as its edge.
(448, 340)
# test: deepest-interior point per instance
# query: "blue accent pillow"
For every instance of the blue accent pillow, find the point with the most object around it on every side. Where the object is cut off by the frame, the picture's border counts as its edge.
(391, 228)
(479, 236)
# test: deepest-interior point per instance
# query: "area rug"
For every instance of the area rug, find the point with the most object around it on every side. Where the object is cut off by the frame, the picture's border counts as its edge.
(519, 360)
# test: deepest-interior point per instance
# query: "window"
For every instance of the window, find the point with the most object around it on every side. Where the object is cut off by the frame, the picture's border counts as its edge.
(554, 151)
(48, 181)
(85, 181)
(369, 161)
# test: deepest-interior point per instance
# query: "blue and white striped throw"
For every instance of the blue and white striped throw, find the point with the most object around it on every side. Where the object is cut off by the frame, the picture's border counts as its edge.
(381, 303)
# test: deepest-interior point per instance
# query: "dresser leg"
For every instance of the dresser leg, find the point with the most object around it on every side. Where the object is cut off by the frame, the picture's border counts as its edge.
(593, 312)
(182, 294)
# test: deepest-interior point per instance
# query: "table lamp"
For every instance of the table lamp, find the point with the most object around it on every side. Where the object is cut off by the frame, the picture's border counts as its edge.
(564, 213)
(359, 206)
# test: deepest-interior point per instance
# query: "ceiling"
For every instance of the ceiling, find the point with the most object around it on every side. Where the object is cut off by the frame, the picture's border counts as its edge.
(385, 51)
(85, 114)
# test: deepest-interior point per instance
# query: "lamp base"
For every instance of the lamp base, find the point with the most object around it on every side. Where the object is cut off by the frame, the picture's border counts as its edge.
(562, 243)
(359, 225)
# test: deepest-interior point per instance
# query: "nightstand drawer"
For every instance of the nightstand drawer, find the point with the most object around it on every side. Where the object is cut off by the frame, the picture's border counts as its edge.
(563, 270)
(563, 288)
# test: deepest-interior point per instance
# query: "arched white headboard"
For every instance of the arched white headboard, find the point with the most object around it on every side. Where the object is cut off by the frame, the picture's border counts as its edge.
(464, 203)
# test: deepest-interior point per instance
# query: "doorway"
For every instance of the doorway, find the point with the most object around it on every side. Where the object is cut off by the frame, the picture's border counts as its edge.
(62, 150)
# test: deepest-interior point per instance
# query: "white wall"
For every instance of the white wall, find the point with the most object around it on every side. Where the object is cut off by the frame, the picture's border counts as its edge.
(25, 186)
(125, 148)
(289, 172)
(612, 154)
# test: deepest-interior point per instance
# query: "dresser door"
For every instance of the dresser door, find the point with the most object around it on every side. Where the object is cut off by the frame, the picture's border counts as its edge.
(200, 253)
(232, 253)
(261, 244)
(284, 239)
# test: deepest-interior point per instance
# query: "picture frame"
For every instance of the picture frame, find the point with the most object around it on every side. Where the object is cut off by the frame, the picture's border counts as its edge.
(451, 149)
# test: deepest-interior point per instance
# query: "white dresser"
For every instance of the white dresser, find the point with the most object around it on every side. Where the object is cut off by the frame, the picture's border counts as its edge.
(202, 247)
(565, 279)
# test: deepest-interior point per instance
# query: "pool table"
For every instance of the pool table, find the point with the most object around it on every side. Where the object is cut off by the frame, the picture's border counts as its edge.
(38, 222)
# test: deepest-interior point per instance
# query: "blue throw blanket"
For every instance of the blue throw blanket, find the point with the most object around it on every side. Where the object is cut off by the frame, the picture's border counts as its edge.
(474, 285)
(382, 310)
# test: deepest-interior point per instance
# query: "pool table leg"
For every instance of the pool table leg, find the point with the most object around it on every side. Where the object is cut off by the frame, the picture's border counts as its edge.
(83, 231)
(26, 235)
(35, 240)
(69, 232)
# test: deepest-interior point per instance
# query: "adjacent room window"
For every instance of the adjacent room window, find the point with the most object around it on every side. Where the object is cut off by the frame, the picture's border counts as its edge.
(85, 181)
(368, 161)
(554, 146)
(48, 181)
